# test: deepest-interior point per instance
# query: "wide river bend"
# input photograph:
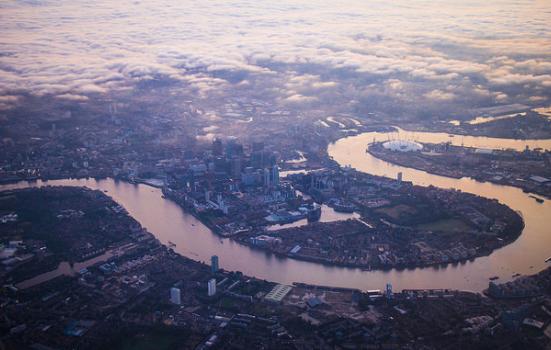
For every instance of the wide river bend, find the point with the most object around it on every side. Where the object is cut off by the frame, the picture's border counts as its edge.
(168, 222)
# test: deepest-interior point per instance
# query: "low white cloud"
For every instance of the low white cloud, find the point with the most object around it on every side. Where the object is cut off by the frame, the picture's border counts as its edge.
(9, 99)
(300, 98)
(501, 97)
(536, 98)
(304, 51)
(440, 95)
(73, 97)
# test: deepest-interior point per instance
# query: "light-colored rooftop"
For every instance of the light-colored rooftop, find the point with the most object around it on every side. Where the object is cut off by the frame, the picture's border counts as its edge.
(403, 146)
(278, 293)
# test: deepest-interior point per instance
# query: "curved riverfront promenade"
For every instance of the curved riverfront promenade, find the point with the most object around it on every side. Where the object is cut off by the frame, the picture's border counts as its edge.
(168, 222)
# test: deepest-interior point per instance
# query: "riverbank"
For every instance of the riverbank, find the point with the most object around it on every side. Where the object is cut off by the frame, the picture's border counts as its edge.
(506, 261)
(451, 257)
(166, 220)
(410, 226)
(148, 288)
(525, 170)
(521, 124)
(53, 232)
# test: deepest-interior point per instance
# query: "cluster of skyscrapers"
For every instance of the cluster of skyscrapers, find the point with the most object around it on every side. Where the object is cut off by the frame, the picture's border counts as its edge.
(257, 168)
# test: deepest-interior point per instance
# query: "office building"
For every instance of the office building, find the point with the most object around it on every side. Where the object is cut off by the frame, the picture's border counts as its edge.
(175, 296)
(267, 179)
(233, 148)
(214, 264)
(389, 294)
(275, 176)
(212, 287)
(217, 147)
(236, 164)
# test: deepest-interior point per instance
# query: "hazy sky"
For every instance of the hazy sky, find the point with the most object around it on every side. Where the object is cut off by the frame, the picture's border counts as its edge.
(446, 51)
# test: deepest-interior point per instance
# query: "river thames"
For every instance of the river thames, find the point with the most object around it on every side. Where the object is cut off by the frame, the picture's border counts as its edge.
(169, 222)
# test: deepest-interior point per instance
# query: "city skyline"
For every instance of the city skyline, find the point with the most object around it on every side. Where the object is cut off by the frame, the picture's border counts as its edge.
(275, 175)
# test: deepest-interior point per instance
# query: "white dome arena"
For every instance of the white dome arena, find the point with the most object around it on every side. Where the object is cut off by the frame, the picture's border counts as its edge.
(403, 146)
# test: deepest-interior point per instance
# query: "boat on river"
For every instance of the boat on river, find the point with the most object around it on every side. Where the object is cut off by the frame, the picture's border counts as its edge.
(537, 199)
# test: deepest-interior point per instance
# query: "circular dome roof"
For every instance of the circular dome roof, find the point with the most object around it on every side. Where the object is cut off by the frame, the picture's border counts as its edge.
(403, 146)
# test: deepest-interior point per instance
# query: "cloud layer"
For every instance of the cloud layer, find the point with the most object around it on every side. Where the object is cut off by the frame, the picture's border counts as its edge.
(440, 51)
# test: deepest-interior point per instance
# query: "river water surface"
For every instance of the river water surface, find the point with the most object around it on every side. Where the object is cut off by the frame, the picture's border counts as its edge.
(168, 222)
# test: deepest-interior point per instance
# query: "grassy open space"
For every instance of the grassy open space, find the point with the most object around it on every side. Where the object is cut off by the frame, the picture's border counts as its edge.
(445, 225)
(397, 211)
